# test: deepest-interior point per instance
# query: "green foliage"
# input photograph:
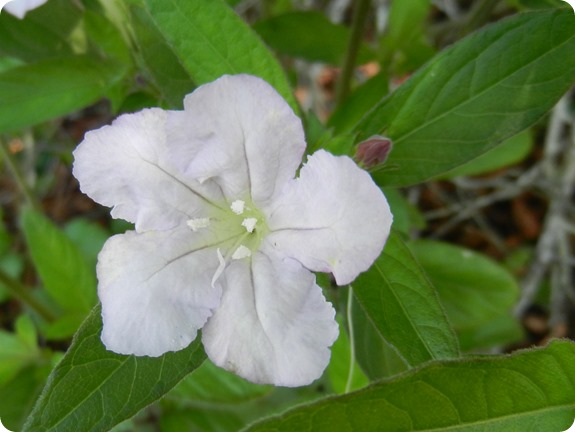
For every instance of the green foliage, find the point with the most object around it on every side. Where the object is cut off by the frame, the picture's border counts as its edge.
(509, 152)
(106, 39)
(474, 290)
(474, 95)
(308, 35)
(161, 64)
(64, 272)
(403, 305)
(210, 40)
(210, 384)
(340, 366)
(93, 389)
(23, 371)
(37, 92)
(529, 390)
(88, 237)
(377, 358)
(17, 351)
(364, 98)
(45, 33)
(10, 263)
(404, 47)
(19, 395)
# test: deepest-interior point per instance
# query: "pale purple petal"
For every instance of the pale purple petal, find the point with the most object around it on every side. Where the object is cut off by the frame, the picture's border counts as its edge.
(19, 8)
(333, 218)
(124, 166)
(242, 133)
(156, 290)
(274, 325)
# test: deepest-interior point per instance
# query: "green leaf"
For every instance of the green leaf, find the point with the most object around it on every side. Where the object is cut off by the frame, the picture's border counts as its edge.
(509, 152)
(63, 327)
(474, 95)
(526, 391)
(17, 397)
(537, 4)
(355, 106)
(106, 38)
(309, 35)
(339, 365)
(92, 389)
(45, 32)
(65, 273)
(17, 351)
(161, 64)
(209, 383)
(89, 238)
(474, 290)
(375, 356)
(403, 305)
(42, 91)
(211, 40)
(204, 420)
(500, 331)
(12, 265)
(404, 47)
(406, 216)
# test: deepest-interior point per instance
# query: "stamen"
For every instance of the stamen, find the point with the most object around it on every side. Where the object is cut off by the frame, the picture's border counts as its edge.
(241, 252)
(249, 224)
(220, 268)
(198, 223)
(238, 207)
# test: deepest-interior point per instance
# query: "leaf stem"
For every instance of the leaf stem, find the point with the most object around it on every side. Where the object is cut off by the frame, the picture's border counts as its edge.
(355, 38)
(20, 181)
(351, 340)
(23, 294)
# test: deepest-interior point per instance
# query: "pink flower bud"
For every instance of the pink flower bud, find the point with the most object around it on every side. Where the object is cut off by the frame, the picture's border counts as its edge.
(373, 151)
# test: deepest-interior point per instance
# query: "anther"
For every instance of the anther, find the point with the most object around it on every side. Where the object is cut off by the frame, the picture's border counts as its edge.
(198, 223)
(241, 252)
(238, 207)
(249, 224)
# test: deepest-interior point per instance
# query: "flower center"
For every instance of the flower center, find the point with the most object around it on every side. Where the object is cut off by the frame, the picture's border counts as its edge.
(238, 232)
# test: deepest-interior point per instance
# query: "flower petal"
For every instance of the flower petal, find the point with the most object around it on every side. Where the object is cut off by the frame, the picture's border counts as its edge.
(155, 290)
(240, 131)
(124, 165)
(333, 218)
(274, 325)
(19, 8)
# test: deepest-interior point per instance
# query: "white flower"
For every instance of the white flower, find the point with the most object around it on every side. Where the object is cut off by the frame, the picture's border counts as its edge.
(226, 239)
(19, 8)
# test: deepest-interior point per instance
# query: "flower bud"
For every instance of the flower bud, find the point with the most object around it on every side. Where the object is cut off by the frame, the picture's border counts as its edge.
(373, 151)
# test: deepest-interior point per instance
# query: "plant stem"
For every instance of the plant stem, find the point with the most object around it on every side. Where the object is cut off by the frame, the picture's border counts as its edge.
(22, 184)
(351, 340)
(355, 38)
(23, 294)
